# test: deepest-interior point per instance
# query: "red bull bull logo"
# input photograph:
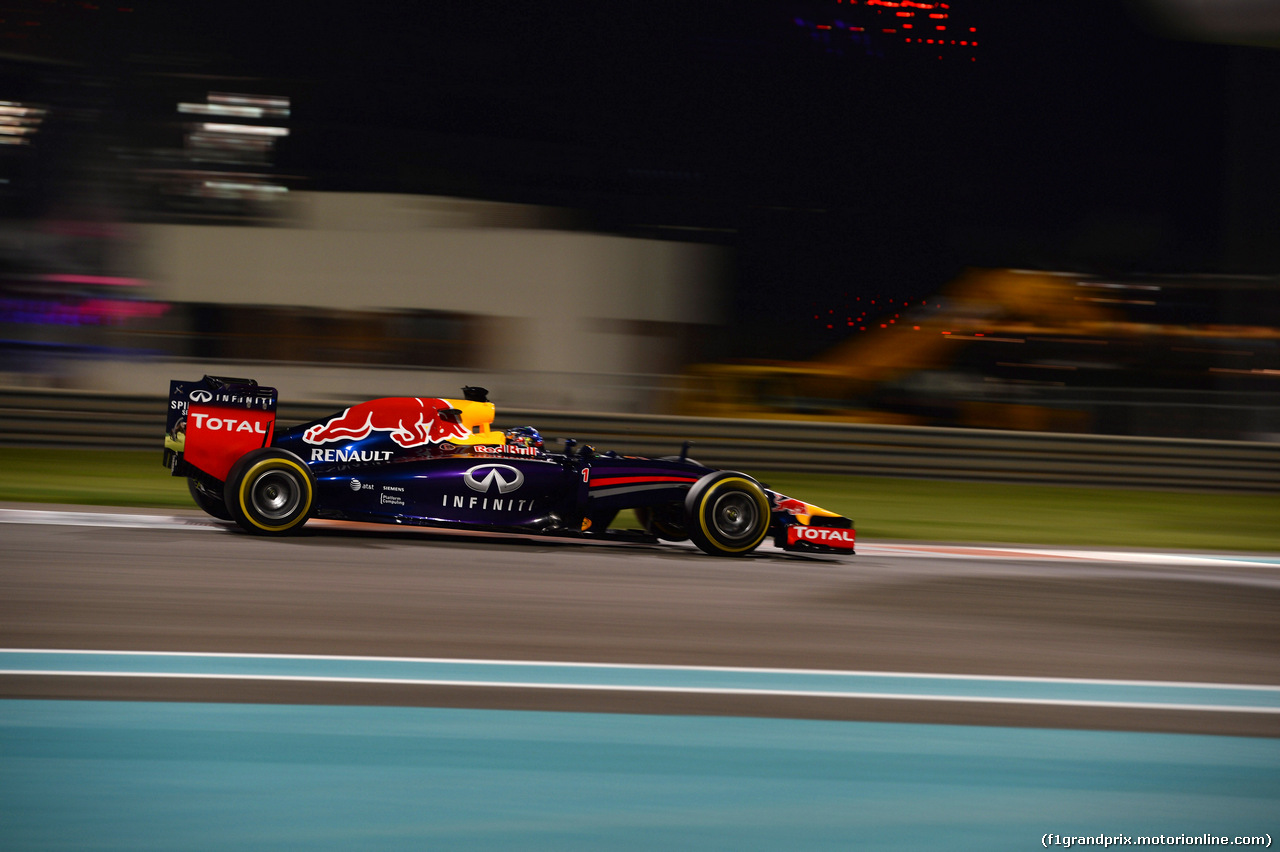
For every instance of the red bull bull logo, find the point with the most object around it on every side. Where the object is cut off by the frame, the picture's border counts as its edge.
(790, 504)
(412, 422)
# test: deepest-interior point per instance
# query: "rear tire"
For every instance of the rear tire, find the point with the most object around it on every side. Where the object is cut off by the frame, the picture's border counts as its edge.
(270, 492)
(727, 513)
(208, 500)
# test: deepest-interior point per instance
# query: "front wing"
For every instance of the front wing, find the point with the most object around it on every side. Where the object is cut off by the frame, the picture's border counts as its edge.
(805, 528)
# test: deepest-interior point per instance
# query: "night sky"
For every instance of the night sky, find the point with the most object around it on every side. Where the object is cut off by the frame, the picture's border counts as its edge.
(1079, 139)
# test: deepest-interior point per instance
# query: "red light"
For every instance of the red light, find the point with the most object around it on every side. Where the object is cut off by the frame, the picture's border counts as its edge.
(964, 42)
(973, 44)
(908, 26)
(946, 332)
(978, 334)
(882, 325)
(973, 29)
(905, 14)
(891, 322)
(849, 323)
(915, 328)
(873, 301)
(930, 41)
(824, 26)
(888, 31)
(936, 15)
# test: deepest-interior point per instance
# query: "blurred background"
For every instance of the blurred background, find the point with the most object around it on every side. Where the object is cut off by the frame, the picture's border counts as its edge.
(1056, 216)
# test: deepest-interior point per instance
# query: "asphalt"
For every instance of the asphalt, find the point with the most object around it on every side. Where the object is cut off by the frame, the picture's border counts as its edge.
(393, 593)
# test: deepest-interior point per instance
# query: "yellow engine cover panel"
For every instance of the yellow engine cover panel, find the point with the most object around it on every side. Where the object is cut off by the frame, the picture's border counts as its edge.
(477, 416)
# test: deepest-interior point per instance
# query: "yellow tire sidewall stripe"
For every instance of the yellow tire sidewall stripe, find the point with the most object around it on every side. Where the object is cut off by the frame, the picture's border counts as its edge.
(757, 495)
(252, 472)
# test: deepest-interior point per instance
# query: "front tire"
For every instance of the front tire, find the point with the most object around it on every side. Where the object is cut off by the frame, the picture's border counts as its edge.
(727, 513)
(208, 500)
(270, 492)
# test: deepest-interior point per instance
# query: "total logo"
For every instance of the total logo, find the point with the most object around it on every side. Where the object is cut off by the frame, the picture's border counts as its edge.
(483, 477)
(227, 424)
(821, 535)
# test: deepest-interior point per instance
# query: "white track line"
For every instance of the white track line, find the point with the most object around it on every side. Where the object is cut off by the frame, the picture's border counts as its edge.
(918, 550)
(573, 676)
(357, 658)
(684, 690)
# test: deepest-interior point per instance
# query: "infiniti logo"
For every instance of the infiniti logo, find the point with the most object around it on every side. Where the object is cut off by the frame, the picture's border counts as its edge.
(201, 396)
(508, 478)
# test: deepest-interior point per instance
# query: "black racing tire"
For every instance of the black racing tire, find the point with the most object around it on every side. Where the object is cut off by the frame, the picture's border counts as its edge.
(666, 522)
(727, 513)
(270, 492)
(208, 500)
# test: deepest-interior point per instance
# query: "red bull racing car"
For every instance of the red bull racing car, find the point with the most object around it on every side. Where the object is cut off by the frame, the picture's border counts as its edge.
(438, 462)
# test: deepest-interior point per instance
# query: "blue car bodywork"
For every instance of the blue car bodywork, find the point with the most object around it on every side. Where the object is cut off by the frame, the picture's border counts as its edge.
(437, 462)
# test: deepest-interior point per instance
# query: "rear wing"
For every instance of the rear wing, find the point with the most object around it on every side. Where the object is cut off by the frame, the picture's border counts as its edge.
(213, 422)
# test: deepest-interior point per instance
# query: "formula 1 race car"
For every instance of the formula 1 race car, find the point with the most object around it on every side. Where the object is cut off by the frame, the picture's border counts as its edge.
(437, 462)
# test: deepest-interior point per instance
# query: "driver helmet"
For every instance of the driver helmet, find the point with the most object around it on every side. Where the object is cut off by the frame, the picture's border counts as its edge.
(524, 436)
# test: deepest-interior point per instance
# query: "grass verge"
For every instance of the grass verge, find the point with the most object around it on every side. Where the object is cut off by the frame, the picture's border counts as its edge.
(882, 508)
(1041, 514)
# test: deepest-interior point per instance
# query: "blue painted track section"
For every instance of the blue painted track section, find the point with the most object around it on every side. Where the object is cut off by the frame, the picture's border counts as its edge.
(170, 776)
(655, 678)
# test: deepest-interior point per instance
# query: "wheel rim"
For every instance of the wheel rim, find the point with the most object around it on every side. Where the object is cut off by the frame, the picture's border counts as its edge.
(275, 495)
(734, 516)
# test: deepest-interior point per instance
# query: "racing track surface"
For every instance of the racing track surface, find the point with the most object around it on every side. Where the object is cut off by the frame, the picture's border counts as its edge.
(354, 590)
(167, 682)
